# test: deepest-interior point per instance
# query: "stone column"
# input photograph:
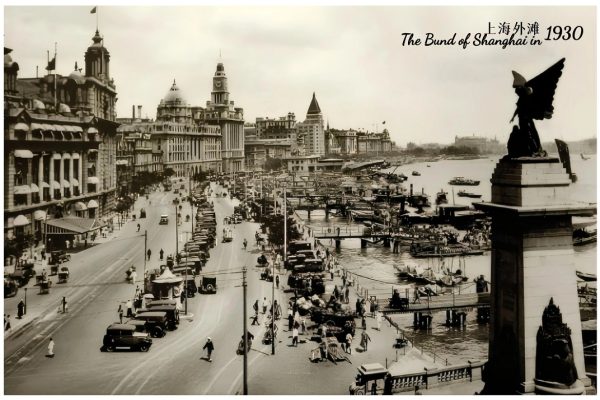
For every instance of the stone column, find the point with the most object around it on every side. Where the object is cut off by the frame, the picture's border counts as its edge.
(83, 167)
(51, 179)
(71, 175)
(79, 173)
(62, 177)
(532, 263)
(29, 180)
(41, 176)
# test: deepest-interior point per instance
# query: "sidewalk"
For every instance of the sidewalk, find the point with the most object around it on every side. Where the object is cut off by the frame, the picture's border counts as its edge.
(37, 306)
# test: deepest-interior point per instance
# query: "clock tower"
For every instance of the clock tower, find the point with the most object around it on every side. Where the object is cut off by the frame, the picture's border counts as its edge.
(219, 94)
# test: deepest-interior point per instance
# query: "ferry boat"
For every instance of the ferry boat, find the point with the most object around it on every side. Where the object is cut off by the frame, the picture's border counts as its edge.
(585, 276)
(362, 215)
(441, 197)
(463, 193)
(461, 181)
(416, 173)
(444, 251)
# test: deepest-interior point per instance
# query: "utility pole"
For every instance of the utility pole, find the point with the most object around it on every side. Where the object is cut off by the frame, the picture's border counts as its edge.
(145, 258)
(191, 203)
(185, 286)
(245, 336)
(273, 312)
(176, 232)
(284, 223)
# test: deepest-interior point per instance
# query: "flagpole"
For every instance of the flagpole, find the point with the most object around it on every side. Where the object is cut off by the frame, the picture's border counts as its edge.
(55, 109)
(97, 12)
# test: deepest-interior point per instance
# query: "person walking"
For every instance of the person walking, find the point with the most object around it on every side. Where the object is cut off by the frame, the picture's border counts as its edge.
(50, 349)
(129, 307)
(149, 254)
(65, 307)
(7, 326)
(364, 322)
(358, 306)
(364, 340)
(20, 309)
(295, 335)
(138, 227)
(161, 253)
(255, 319)
(120, 311)
(379, 318)
(255, 307)
(347, 294)
(264, 305)
(209, 347)
(290, 319)
(277, 281)
(349, 343)
(245, 243)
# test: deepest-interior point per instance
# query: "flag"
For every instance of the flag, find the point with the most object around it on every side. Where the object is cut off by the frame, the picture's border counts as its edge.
(51, 65)
(93, 11)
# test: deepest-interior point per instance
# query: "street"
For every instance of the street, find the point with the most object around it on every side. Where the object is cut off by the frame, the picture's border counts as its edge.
(97, 287)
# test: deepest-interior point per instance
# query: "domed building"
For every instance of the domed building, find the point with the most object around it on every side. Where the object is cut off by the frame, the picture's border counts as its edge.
(173, 107)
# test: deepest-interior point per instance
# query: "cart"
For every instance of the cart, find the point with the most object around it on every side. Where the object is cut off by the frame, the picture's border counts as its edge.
(63, 275)
(45, 286)
(54, 269)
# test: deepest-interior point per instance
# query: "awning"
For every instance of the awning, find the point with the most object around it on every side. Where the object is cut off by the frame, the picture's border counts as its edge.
(55, 185)
(21, 127)
(93, 180)
(45, 185)
(34, 188)
(66, 183)
(39, 215)
(80, 206)
(56, 156)
(77, 129)
(74, 182)
(92, 204)
(92, 150)
(70, 225)
(66, 156)
(48, 127)
(92, 130)
(21, 220)
(67, 128)
(23, 189)
(75, 156)
(23, 154)
(35, 126)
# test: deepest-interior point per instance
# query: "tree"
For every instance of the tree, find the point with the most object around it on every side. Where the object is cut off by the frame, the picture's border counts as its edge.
(168, 172)
(273, 224)
(273, 164)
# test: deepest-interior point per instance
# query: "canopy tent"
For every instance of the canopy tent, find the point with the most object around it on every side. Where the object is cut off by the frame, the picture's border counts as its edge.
(23, 154)
(168, 277)
(72, 225)
(21, 220)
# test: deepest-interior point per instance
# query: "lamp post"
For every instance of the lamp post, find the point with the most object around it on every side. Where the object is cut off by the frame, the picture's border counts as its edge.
(25, 308)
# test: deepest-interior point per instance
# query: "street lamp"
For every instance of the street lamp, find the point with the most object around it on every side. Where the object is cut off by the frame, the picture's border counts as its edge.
(25, 308)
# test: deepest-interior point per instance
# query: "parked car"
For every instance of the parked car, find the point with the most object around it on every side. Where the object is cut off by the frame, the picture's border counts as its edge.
(164, 220)
(171, 311)
(125, 336)
(155, 322)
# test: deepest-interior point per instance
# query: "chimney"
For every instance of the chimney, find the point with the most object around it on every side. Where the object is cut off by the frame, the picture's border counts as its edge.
(140, 112)
(133, 113)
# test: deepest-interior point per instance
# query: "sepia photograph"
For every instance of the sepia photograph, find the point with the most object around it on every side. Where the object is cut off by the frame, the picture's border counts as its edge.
(300, 199)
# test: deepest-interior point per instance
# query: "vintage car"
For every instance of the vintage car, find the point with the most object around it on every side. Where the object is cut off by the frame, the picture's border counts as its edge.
(164, 220)
(171, 311)
(58, 257)
(125, 336)
(209, 285)
(155, 322)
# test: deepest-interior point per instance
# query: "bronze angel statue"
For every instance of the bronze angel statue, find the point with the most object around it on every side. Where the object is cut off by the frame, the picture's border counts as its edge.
(535, 102)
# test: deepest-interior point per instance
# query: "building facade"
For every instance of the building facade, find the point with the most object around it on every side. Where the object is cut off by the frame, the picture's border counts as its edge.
(312, 130)
(482, 144)
(373, 143)
(59, 144)
(343, 141)
(222, 112)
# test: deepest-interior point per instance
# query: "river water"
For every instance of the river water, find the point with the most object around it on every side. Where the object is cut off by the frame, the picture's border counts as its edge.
(377, 264)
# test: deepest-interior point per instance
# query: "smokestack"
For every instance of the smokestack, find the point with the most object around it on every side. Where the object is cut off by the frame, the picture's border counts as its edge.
(411, 189)
(140, 112)
(133, 113)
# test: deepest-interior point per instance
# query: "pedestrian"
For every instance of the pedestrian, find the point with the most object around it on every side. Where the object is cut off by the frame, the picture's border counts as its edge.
(277, 281)
(209, 347)
(50, 349)
(364, 340)
(161, 253)
(264, 305)
(303, 324)
(344, 279)
(374, 388)
(295, 335)
(7, 326)
(364, 322)
(129, 306)
(417, 299)
(358, 306)
(331, 273)
(255, 319)
(245, 243)
(65, 307)
(120, 311)
(255, 307)
(379, 320)
(323, 332)
(347, 294)
(138, 226)
(372, 308)
(20, 309)
(349, 343)
(149, 254)
(290, 319)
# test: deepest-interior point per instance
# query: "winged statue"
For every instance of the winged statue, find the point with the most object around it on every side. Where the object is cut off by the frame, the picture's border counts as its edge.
(535, 102)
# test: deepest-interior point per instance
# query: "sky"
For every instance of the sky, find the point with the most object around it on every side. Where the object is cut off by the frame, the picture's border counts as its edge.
(352, 57)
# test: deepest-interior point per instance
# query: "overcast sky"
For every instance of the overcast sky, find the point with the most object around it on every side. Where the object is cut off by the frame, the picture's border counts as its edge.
(352, 57)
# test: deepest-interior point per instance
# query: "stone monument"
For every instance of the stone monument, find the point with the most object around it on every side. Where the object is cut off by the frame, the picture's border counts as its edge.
(532, 262)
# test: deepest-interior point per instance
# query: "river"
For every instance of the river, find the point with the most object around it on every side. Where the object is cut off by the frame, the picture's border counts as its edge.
(377, 263)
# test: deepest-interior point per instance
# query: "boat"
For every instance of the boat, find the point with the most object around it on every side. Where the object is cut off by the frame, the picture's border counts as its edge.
(584, 157)
(440, 197)
(461, 181)
(583, 236)
(463, 193)
(427, 277)
(444, 251)
(362, 215)
(585, 276)
(416, 173)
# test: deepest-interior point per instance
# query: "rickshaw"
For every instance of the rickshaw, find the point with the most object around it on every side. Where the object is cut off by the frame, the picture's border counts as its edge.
(63, 275)
(54, 269)
(58, 257)
(45, 286)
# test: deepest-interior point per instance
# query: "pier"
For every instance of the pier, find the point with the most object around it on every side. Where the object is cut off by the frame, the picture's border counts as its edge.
(365, 234)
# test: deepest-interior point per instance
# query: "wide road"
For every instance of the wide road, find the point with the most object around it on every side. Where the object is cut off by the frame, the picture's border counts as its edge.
(174, 364)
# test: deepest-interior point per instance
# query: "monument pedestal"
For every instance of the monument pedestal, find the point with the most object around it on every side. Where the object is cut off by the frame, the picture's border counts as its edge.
(532, 263)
